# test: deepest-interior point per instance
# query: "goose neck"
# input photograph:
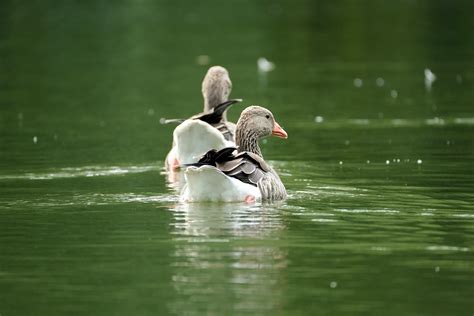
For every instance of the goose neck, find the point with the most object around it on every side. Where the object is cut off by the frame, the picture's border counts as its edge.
(247, 141)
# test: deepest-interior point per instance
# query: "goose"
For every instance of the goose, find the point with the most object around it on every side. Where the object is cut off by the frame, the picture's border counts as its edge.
(238, 174)
(206, 130)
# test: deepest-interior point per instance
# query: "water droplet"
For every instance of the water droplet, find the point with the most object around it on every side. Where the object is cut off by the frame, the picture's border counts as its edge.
(203, 60)
(347, 142)
(151, 112)
(264, 65)
(380, 82)
(394, 94)
(340, 162)
(437, 269)
(318, 119)
(35, 139)
(430, 77)
(20, 119)
(387, 162)
(358, 82)
(368, 161)
(419, 161)
(333, 284)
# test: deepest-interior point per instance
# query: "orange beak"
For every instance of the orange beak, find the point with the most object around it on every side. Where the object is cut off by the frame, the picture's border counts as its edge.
(278, 131)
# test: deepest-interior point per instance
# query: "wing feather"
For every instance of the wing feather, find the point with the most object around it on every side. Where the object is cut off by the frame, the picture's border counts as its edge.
(242, 166)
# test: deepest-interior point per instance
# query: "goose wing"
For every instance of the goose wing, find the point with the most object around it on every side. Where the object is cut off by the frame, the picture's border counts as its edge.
(245, 167)
(227, 129)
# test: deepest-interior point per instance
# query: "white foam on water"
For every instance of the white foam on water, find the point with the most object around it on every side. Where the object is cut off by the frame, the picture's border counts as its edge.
(94, 199)
(87, 171)
(464, 120)
(447, 248)
(435, 121)
(358, 211)
(464, 215)
(323, 220)
(359, 121)
(379, 248)
(395, 122)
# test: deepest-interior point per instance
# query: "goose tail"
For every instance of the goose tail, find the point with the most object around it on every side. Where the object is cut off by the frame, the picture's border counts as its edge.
(215, 116)
(164, 121)
(193, 138)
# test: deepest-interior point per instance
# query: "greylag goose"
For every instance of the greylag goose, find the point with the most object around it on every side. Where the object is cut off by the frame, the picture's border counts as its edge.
(238, 174)
(207, 130)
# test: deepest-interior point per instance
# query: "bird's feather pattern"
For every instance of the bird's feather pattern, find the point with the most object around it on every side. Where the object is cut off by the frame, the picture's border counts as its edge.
(215, 116)
(244, 166)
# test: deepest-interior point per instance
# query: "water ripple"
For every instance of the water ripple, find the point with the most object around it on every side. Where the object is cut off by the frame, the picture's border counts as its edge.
(384, 211)
(94, 199)
(447, 248)
(395, 122)
(87, 171)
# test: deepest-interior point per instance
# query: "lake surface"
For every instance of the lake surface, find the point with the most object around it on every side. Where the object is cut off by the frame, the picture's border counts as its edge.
(378, 164)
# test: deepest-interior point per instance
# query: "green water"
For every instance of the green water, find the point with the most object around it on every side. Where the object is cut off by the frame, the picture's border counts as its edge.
(380, 214)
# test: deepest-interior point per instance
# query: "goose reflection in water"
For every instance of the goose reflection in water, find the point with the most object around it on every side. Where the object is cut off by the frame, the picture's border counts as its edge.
(227, 251)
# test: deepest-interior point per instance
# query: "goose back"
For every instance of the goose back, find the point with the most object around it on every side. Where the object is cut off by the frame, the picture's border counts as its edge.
(247, 168)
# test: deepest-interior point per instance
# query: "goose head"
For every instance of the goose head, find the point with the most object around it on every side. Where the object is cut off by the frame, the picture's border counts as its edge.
(256, 122)
(216, 87)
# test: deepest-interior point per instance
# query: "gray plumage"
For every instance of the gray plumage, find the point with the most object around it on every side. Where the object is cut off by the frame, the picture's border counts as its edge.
(255, 123)
(216, 87)
(248, 165)
(215, 118)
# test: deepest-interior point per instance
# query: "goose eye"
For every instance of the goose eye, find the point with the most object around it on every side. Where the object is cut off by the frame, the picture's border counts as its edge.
(267, 116)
